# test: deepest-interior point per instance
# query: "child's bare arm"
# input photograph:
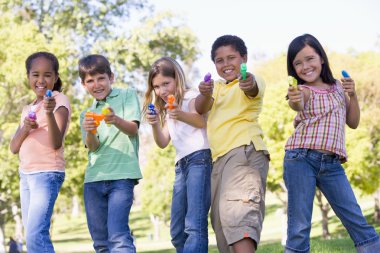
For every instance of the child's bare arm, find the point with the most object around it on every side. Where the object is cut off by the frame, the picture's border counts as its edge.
(298, 97)
(204, 101)
(161, 135)
(92, 141)
(352, 103)
(249, 86)
(192, 117)
(128, 127)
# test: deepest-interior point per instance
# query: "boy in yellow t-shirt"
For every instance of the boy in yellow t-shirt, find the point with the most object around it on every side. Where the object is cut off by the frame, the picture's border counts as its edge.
(240, 157)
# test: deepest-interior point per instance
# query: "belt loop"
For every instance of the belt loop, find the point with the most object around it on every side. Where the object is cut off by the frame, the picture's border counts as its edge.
(304, 151)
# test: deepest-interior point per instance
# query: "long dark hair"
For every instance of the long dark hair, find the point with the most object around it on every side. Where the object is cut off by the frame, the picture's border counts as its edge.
(297, 45)
(54, 61)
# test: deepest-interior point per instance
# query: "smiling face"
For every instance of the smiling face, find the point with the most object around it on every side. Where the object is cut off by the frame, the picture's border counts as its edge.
(308, 65)
(98, 85)
(41, 76)
(227, 62)
(163, 86)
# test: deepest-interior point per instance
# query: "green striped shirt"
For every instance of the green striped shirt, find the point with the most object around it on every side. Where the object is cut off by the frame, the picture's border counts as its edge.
(117, 155)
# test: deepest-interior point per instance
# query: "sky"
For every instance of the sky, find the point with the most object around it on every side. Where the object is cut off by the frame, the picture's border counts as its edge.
(268, 26)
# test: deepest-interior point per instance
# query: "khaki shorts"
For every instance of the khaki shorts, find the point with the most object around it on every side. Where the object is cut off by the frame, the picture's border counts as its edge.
(238, 185)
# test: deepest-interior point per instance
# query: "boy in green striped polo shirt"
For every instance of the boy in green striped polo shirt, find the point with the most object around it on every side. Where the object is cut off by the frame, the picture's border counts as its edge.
(113, 167)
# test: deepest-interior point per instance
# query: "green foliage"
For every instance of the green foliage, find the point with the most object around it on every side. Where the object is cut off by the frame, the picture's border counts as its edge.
(157, 185)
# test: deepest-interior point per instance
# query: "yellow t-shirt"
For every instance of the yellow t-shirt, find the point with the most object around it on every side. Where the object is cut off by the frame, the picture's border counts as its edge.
(233, 119)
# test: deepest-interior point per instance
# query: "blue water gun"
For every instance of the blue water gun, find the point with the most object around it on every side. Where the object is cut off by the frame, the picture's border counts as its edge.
(48, 93)
(151, 109)
(345, 74)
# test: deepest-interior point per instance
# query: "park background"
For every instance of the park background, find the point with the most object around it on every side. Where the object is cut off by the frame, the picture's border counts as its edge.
(132, 34)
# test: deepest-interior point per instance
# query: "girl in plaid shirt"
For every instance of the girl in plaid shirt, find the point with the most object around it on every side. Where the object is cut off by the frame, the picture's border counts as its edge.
(316, 149)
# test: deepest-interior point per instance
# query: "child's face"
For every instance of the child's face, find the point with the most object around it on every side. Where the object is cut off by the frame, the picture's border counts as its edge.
(98, 85)
(308, 65)
(163, 86)
(41, 76)
(227, 62)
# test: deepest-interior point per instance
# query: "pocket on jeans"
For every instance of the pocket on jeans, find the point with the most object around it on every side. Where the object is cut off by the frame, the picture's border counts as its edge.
(292, 155)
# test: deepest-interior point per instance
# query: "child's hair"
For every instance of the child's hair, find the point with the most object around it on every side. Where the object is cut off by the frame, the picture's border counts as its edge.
(229, 40)
(167, 67)
(297, 45)
(54, 61)
(93, 64)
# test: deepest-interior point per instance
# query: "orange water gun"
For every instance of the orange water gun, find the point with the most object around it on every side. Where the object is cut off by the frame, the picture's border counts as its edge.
(171, 100)
(97, 117)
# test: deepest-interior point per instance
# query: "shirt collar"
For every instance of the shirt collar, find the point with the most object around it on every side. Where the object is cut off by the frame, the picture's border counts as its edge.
(114, 93)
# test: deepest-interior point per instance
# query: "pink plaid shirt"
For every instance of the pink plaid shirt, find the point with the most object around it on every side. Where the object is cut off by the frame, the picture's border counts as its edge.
(321, 124)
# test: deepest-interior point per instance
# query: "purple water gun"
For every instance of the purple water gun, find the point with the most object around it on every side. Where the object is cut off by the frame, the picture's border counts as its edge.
(32, 115)
(207, 78)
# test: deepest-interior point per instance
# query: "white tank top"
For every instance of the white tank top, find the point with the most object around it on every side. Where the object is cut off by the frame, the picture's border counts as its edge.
(186, 138)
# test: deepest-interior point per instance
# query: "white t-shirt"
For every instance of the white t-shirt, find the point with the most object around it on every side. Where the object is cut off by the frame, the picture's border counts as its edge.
(186, 138)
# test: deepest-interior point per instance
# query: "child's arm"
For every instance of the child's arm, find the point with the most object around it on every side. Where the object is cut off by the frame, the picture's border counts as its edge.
(204, 101)
(161, 135)
(91, 140)
(56, 121)
(298, 97)
(249, 85)
(130, 128)
(21, 134)
(352, 103)
(192, 117)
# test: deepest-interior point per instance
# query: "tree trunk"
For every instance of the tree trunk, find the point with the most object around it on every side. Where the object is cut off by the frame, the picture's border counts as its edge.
(75, 208)
(376, 215)
(156, 224)
(2, 239)
(325, 208)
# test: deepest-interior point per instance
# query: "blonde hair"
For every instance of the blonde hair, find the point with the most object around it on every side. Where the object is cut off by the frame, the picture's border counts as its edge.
(167, 67)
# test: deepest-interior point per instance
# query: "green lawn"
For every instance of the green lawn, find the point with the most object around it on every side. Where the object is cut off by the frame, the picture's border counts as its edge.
(70, 235)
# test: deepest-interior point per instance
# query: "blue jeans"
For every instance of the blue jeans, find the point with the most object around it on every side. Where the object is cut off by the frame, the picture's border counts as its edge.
(306, 169)
(38, 193)
(108, 204)
(191, 202)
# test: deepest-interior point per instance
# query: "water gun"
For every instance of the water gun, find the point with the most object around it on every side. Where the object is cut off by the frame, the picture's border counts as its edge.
(171, 100)
(292, 82)
(151, 109)
(207, 78)
(345, 74)
(243, 71)
(105, 110)
(48, 93)
(32, 115)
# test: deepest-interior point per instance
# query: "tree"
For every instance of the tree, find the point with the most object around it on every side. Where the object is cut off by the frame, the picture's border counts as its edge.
(157, 186)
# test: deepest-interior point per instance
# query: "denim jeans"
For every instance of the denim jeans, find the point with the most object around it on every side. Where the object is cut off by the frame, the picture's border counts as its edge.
(108, 204)
(38, 193)
(306, 169)
(191, 202)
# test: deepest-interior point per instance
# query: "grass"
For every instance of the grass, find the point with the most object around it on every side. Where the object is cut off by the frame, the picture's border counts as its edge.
(70, 235)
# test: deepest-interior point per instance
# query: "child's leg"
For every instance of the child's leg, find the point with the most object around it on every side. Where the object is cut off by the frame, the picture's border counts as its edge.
(96, 206)
(242, 196)
(198, 170)
(43, 192)
(120, 200)
(300, 180)
(335, 186)
(179, 208)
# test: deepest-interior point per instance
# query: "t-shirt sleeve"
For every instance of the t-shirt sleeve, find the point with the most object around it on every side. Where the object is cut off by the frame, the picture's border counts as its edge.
(132, 110)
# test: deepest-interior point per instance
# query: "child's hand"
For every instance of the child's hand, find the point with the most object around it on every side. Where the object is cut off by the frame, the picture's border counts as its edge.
(89, 125)
(174, 113)
(248, 84)
(110, 117)
(295, 94)
(29, 124)
(348, 86)
(49, 104)
(206, 89)
(152, 119)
